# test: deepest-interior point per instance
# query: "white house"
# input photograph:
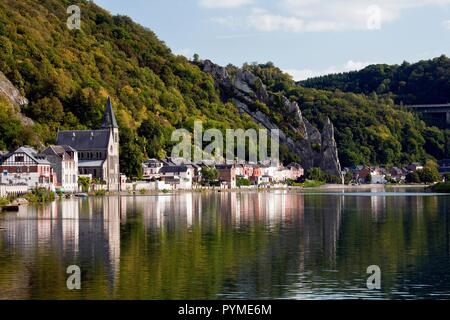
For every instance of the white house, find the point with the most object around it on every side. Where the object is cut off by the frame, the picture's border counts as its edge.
(378, 176)
(26, 166)
(64, 160)
(150, 169)
(179, 177)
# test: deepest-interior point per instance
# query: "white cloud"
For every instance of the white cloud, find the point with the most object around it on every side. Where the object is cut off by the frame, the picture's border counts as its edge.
(324, 15)
(303, 74)
(264, 21)
(224, 3)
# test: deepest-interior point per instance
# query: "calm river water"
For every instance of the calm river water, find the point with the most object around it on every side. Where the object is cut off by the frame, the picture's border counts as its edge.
(250, 245)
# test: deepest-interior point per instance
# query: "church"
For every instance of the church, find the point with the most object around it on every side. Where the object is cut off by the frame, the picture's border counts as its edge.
(98, 150)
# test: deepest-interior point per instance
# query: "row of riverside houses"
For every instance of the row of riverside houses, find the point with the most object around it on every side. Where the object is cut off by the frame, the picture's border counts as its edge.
(176, 174)
(91, 153)
(380, 175)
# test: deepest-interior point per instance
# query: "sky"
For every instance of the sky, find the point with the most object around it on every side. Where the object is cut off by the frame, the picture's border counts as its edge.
(305, 38)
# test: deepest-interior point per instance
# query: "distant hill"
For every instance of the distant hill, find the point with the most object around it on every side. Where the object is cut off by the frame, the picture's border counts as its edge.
(67, 75)
(424, 82)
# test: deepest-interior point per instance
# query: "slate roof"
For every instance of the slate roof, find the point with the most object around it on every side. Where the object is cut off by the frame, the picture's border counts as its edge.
(85, 139)
(173, 169)
(109, 119)
(33, 154)
(60, 151)
(90, 163)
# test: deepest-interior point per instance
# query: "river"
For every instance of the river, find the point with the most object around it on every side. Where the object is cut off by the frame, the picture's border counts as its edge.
(248, 245)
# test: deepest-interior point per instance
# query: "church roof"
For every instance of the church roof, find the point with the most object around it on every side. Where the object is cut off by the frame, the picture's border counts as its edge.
(90, 163)
(85, 139)
(109, 119)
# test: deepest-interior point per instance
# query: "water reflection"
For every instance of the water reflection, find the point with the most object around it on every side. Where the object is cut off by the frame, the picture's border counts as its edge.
(228, 245)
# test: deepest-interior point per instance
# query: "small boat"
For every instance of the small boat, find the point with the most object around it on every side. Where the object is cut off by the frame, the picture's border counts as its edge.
(11, 207)
(81, 195)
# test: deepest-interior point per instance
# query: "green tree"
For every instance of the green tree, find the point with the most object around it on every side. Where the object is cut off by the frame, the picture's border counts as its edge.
(413, 177)
(316, 174)
(131, 153)
(242, 182)
(209, 176)
(429, 175)
(85, 183)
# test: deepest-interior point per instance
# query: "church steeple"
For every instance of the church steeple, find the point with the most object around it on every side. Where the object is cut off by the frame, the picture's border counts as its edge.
(109, 119)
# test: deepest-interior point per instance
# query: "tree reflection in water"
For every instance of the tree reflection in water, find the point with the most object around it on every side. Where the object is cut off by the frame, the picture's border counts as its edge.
(276, 244)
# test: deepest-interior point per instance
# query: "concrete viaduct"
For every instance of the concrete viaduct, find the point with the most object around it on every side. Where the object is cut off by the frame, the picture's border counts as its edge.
(439, 112)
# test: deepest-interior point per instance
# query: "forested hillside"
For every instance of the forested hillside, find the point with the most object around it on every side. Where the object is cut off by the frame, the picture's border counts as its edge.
(370, 129)
(426, 81)
(67, 75)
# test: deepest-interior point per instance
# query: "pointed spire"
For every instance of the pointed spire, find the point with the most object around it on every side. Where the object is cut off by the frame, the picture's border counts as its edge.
(109, 119)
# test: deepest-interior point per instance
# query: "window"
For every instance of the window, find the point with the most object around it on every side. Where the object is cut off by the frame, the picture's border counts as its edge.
(20, 159)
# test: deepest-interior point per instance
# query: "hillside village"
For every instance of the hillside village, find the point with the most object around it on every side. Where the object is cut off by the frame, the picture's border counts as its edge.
(92, 155)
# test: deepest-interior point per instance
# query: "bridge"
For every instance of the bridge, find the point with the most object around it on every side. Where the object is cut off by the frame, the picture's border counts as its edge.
(439, 113)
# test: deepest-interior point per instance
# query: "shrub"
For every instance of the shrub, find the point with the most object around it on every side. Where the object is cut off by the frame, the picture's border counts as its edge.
(40, 195)
(99, 193)
(313, 183)
(3, 201)
(242, 182)
(412, 177)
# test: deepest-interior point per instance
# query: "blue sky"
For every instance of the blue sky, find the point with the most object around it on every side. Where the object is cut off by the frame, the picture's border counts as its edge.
(303, 37)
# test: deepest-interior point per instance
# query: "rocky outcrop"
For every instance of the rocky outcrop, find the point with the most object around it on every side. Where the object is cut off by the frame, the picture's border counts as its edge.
(243, 88)
(10, 92)
(14, 97)
(330, 159)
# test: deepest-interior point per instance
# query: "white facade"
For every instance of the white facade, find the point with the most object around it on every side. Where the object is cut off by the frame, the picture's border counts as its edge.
(69, 175)
(150, 169)
(26, 167)
(179, 177)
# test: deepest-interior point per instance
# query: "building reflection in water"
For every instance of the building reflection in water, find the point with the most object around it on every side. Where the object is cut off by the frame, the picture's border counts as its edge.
(296, 229)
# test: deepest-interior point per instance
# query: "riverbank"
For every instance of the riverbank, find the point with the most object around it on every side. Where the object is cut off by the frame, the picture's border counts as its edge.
(369, 186)
(325, 187)
(443, 187)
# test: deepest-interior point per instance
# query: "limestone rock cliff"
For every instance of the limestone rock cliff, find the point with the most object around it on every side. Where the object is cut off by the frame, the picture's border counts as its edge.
(10, 92)
(14, 97)
(244, 89)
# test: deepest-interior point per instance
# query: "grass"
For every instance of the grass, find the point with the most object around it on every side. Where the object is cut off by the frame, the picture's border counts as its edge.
(4, 201)
(313, 184)
(99, 193)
